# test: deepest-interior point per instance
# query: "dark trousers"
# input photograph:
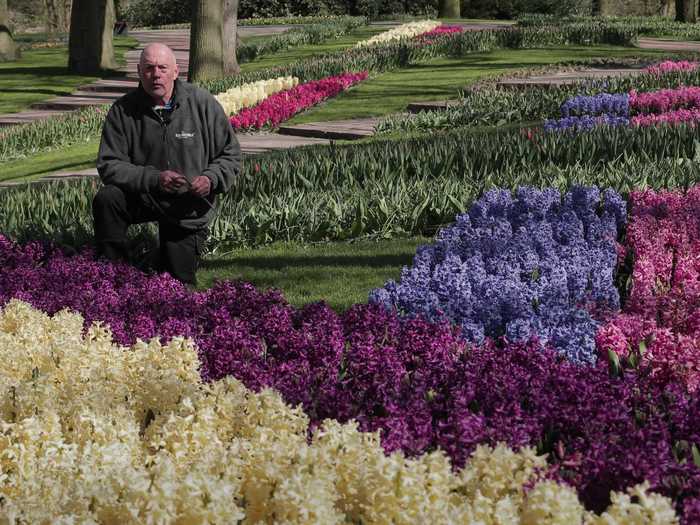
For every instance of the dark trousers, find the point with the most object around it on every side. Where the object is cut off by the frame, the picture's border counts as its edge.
(114, 210)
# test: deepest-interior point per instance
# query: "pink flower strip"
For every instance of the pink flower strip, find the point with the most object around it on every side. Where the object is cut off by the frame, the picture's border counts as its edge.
(665, 100)
(679, 116)
(439, 31)
(669, 66)
(283, 105)
(663, 309)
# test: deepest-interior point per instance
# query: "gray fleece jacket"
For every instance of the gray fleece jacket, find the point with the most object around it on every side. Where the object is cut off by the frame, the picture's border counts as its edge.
(196, 139)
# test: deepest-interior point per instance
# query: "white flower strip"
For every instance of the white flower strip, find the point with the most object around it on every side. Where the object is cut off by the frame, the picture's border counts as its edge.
(248, 95)
(404, 31)
(91, 432)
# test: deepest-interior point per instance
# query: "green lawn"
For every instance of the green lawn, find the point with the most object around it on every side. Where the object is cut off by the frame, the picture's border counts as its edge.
(443, 78)
(341, 273)
(41, 74)
(73, 158)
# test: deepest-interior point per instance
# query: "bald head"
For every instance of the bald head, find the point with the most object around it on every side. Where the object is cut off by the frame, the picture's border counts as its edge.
(158, 70)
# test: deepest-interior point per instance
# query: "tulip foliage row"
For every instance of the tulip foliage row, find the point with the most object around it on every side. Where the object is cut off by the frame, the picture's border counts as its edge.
(419, 382)
(141, 439)
(385, 188)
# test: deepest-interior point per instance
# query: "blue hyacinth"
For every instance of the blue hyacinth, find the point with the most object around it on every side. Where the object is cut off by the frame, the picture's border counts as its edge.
(518, 267)
(584, 123)
(602, 104)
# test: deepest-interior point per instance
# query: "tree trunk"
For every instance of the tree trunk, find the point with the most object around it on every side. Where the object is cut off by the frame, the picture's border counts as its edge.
(65, 7)
(51, 16)
(668, 8)
(450, 9)
(90, 46)
(206, 41)
(230, 29)
(686, 10)
(8, 49)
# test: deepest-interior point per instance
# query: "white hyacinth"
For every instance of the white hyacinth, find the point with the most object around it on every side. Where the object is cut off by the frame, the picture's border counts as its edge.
(403, 31)
(249, 95)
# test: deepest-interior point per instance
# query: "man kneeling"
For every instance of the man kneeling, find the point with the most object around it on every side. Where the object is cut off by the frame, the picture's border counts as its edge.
(167, 149)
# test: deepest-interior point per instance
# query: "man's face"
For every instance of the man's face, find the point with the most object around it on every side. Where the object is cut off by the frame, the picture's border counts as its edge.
(158, 71)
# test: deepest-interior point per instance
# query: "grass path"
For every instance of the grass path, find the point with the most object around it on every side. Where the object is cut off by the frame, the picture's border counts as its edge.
(341, 273)
(72, 158)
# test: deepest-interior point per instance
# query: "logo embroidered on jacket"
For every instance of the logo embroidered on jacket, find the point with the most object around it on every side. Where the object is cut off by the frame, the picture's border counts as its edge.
(184, 135)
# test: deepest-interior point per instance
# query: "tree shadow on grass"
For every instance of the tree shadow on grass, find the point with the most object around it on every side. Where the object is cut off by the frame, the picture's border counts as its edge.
(42, 91)
(274, 262)
(56, 71)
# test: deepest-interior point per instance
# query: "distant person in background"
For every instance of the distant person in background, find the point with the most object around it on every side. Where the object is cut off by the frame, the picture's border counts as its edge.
(167, 150)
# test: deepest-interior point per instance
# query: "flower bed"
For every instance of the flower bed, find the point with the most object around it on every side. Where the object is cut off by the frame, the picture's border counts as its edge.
(249, 95)
(664, 106)
(92, 432)
(417, 381)
(441, 30)
(661, 321)
(671, 66)
(284, 105)
(410, 30)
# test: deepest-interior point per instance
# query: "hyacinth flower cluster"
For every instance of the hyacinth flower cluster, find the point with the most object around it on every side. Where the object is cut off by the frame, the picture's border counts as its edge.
(415, 382)
(671, 66)
(523, 267)
(597, 105)
(660, 324)
(584, 123)
(664, 100)
(282, 106)
(141, 439)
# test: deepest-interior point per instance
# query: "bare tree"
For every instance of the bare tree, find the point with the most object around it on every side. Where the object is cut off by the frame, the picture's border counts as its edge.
(8, 49)
(206, 40)
(90, 45)
(450, 9)
(230, 29)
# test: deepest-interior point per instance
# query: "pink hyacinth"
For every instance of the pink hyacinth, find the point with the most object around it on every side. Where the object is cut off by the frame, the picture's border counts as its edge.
(673, 118)
(663, 310)
(665, 100)
(284, 105)
(670, 66)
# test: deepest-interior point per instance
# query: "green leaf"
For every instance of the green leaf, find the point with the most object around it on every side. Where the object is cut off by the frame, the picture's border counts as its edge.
(696, 455)
(614, 363)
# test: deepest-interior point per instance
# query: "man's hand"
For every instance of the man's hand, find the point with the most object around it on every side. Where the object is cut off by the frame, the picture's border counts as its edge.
(201, 186)
(171, 181)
